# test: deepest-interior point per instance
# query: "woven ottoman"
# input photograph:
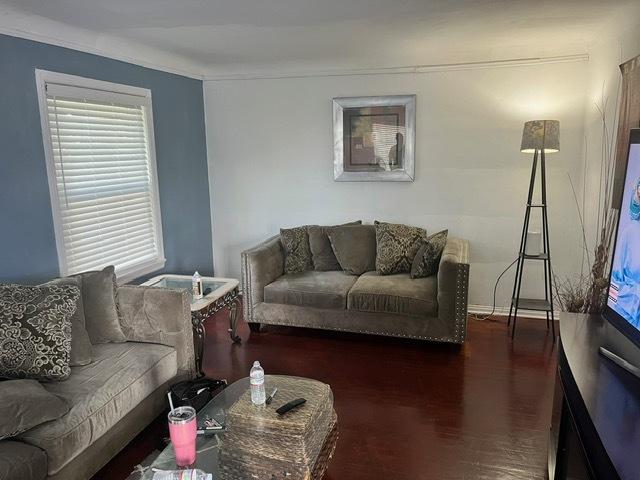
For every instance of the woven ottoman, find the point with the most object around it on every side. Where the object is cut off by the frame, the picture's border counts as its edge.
(260, 444)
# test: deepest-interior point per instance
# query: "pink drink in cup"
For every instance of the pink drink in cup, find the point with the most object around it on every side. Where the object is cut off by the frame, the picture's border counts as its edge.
(183, 431)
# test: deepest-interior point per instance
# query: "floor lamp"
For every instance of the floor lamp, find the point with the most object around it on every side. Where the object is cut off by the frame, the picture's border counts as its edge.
(538, 137)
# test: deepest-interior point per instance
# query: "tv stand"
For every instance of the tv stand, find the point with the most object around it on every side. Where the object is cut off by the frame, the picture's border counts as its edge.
(596, 407)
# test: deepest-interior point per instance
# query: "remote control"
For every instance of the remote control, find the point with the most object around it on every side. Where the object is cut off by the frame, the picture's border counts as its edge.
(620, 361)
(210, 427)
(290, 406)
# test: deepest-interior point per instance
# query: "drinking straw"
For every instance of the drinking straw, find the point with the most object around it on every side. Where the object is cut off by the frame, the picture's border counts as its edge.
(170, 401)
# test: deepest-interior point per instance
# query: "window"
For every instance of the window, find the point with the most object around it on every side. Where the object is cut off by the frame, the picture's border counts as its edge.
(99, 150)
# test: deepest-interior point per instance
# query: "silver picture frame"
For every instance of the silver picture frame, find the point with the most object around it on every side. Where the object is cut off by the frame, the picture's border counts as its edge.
(388, 156)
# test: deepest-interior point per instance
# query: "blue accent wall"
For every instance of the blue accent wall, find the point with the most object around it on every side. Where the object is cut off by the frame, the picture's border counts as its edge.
(27, 241)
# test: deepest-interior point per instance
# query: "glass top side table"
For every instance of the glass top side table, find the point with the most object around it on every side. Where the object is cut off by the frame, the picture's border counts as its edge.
(221, 293)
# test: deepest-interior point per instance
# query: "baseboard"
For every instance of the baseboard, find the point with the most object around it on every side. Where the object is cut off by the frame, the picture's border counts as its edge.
(504, 311)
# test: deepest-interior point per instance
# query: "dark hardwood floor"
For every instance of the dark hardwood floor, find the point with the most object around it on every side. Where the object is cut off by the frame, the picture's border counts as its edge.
(407, 409)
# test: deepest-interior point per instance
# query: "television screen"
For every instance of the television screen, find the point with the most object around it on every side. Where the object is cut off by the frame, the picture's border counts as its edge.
(624, 288)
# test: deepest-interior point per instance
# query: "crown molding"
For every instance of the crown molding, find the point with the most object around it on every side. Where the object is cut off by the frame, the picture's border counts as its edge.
(60, 42)
(16, 23)
(412, 69)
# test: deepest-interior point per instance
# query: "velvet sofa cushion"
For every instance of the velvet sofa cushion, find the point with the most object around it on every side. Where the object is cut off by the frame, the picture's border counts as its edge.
(321, 252)
(311, 289)
(355, 248)
(35, 330)
(100, 303)
(297, 252)
(427, 259)
(80, 344)
(99, 395)
(397, 293)
(396, 247)
(25, 404)
(21, 461)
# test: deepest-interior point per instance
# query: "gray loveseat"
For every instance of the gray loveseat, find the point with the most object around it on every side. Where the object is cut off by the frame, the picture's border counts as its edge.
(115, 396)
(431, 308)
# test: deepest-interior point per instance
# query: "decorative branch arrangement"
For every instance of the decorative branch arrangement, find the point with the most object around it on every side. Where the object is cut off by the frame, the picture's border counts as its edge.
(587, 292)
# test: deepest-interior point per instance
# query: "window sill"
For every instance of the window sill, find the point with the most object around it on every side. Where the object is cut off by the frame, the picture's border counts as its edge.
(131, 273)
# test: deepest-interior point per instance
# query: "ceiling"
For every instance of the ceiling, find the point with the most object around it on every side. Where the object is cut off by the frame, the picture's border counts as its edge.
(235, 37)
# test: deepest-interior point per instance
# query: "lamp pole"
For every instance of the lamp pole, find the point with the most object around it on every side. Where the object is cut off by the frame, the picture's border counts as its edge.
(539, 136)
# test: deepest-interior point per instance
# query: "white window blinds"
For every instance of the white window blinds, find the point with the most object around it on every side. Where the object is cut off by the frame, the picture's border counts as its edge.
(103, 180)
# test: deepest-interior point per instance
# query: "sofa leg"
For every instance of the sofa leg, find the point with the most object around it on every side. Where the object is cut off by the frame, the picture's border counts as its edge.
(255, 327)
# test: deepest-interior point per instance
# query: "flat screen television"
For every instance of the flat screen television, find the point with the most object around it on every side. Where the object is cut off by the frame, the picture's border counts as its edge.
(623, 301)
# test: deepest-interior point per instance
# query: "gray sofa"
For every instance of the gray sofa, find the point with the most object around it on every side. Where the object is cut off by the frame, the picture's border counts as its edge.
(431, 308)
(113, 398)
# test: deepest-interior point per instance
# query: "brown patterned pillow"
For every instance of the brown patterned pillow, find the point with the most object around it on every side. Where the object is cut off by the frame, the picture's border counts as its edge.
(35, 330)
(297, 253)
(397, 246)
(427, 259)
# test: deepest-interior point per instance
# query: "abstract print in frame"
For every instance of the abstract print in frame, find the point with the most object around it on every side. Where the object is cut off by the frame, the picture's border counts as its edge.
(374, 138)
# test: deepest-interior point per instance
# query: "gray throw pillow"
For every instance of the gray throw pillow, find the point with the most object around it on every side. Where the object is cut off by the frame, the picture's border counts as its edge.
(427, 259)
(81, 351)
(35, 330)
(297, 253)
(100, 303)
(26, 404)
(355, 248)
(397, 246)
(322, 254)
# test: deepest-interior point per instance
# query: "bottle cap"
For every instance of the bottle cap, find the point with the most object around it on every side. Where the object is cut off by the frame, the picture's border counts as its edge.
(256, 363)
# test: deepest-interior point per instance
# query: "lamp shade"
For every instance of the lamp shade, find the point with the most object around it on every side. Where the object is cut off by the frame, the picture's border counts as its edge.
(541, 135)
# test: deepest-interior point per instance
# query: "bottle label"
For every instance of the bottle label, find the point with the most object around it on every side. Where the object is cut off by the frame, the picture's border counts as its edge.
(197, 288)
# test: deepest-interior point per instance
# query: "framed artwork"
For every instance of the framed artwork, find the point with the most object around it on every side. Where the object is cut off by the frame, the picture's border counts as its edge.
(374, 138)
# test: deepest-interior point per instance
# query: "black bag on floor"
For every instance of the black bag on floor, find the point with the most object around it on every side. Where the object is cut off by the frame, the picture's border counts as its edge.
(196, 393)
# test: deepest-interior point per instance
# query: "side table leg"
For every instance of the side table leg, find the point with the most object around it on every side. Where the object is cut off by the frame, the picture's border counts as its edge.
(233, 321)
(199, 332)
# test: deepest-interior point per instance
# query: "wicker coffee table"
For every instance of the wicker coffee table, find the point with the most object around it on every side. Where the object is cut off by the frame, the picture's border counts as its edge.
(231, 453)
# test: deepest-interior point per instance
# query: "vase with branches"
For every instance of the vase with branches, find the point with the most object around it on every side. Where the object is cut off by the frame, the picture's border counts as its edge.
(587, 291)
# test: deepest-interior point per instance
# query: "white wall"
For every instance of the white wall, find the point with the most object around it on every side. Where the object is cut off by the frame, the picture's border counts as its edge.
(618, 42)
(271, 165)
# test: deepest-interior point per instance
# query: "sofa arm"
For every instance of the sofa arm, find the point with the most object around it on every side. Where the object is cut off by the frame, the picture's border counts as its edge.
(453, 287)
(261, 265)
(159, 315)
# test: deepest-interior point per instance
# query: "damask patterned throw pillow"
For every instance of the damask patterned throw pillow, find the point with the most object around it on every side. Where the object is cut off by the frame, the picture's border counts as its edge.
(35, 330)
(297, 253)
(427, 259)
(397, 246)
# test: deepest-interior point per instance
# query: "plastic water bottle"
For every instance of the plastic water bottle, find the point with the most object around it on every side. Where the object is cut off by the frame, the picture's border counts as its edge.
(182, 475)
(196, 286)
(256, 379)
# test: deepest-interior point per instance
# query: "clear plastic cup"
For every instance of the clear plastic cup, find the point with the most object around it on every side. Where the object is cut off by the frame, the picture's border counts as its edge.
(183, 431)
